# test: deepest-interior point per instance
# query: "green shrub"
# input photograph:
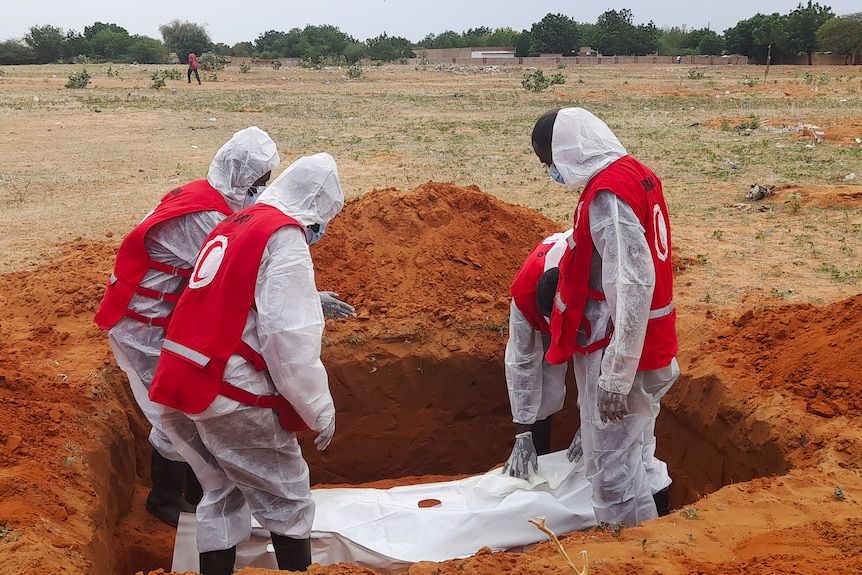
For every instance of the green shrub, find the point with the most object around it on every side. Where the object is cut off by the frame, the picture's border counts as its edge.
(749, 81)
(558, 78)
(212, 61)
(244, 68)
(159, 76)
(355, 70)
(332, 61)
(821, 80)
(750, 123)
(158, 80)
(536, 81)
(78, 80)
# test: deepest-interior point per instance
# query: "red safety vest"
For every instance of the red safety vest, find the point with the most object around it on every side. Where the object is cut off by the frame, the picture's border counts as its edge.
(133, 262)
(641, 189)
(524, 285)
(210, 317)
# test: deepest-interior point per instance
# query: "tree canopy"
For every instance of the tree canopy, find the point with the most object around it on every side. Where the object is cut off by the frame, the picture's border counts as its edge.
(801, 26)
(555, 34)
(46, 42)
(763, 38)
(842, 35)
(183, 38)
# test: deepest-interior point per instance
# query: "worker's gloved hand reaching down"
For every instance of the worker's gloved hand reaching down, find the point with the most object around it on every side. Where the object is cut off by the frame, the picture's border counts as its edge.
(333, 308)
(325, 436)
(523, 457)
(576, 450)
(612, 406)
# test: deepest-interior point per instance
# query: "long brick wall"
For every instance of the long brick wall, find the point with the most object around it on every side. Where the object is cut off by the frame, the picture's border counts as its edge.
(553, 61)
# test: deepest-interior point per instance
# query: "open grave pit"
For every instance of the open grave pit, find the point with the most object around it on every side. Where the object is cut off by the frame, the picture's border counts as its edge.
(417, 379)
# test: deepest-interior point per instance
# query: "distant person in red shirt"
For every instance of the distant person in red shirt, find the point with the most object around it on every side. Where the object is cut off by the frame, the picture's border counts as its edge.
(193, 67)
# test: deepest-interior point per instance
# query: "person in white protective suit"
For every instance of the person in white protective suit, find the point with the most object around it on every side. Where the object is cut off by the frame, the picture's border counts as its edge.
(613, 312)
(537, 389)
(240, 373)
(151, 268)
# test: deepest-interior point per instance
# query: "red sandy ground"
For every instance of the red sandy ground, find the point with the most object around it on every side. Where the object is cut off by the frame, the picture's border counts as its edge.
(761, 432)
(841, 132)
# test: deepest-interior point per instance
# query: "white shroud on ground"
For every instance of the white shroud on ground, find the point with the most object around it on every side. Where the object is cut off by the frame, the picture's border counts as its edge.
(387, 530)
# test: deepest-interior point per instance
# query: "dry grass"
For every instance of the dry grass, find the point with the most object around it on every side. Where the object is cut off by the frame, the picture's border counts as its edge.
(94, 161)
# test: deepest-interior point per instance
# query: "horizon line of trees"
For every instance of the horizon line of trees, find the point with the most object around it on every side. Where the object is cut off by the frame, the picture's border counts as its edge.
(763, 38)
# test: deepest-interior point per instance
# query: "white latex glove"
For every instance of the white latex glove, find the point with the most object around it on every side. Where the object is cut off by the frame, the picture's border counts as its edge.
(324, 437)
(523, 457)
(613, 406)
(576, 450)
(333, 308)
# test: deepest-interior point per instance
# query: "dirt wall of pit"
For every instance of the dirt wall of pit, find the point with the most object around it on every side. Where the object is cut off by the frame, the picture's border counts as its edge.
(709, 437)
(417, 377)
(404, 413)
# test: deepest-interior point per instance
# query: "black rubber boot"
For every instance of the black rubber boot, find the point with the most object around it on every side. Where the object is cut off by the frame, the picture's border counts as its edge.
(192, 489)
(541, 431)
(218, 562)
(166, 500)
(292, 554)
(662, 504)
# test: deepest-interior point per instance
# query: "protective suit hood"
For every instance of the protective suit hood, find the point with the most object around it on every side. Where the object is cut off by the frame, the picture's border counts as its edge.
(308, 190)
(582, 145)
(240, 162)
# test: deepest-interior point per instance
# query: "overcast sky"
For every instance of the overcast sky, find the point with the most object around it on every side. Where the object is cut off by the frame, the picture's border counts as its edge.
(245, 20)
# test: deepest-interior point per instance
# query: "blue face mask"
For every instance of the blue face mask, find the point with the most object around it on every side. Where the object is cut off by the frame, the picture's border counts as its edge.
(252, 195)
(313, 236)
(555, 174)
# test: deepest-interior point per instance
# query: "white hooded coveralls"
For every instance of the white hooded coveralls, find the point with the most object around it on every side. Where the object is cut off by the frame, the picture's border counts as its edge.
(537, 389)
(245, 461)
(241, 161)
(619, 457)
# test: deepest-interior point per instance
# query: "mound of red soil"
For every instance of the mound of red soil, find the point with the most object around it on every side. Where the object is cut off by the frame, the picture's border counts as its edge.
(429, 272)
(419, 388)
(432, 264)
(842, 132)
(811, 352)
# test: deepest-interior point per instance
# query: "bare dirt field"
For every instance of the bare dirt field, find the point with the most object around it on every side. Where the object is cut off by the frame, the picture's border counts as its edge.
(762, 433)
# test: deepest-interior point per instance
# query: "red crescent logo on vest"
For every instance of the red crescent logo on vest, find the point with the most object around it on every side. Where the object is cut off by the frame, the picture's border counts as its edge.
(209, 262)
(660, 229)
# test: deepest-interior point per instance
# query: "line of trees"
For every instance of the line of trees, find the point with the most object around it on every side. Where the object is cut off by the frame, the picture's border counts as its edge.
(107, 42)
(762, 38)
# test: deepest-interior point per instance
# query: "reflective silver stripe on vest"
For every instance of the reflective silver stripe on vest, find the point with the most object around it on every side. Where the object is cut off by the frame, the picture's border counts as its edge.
(558, 301)
(186, 352)
(662, 311)
(570, 241)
